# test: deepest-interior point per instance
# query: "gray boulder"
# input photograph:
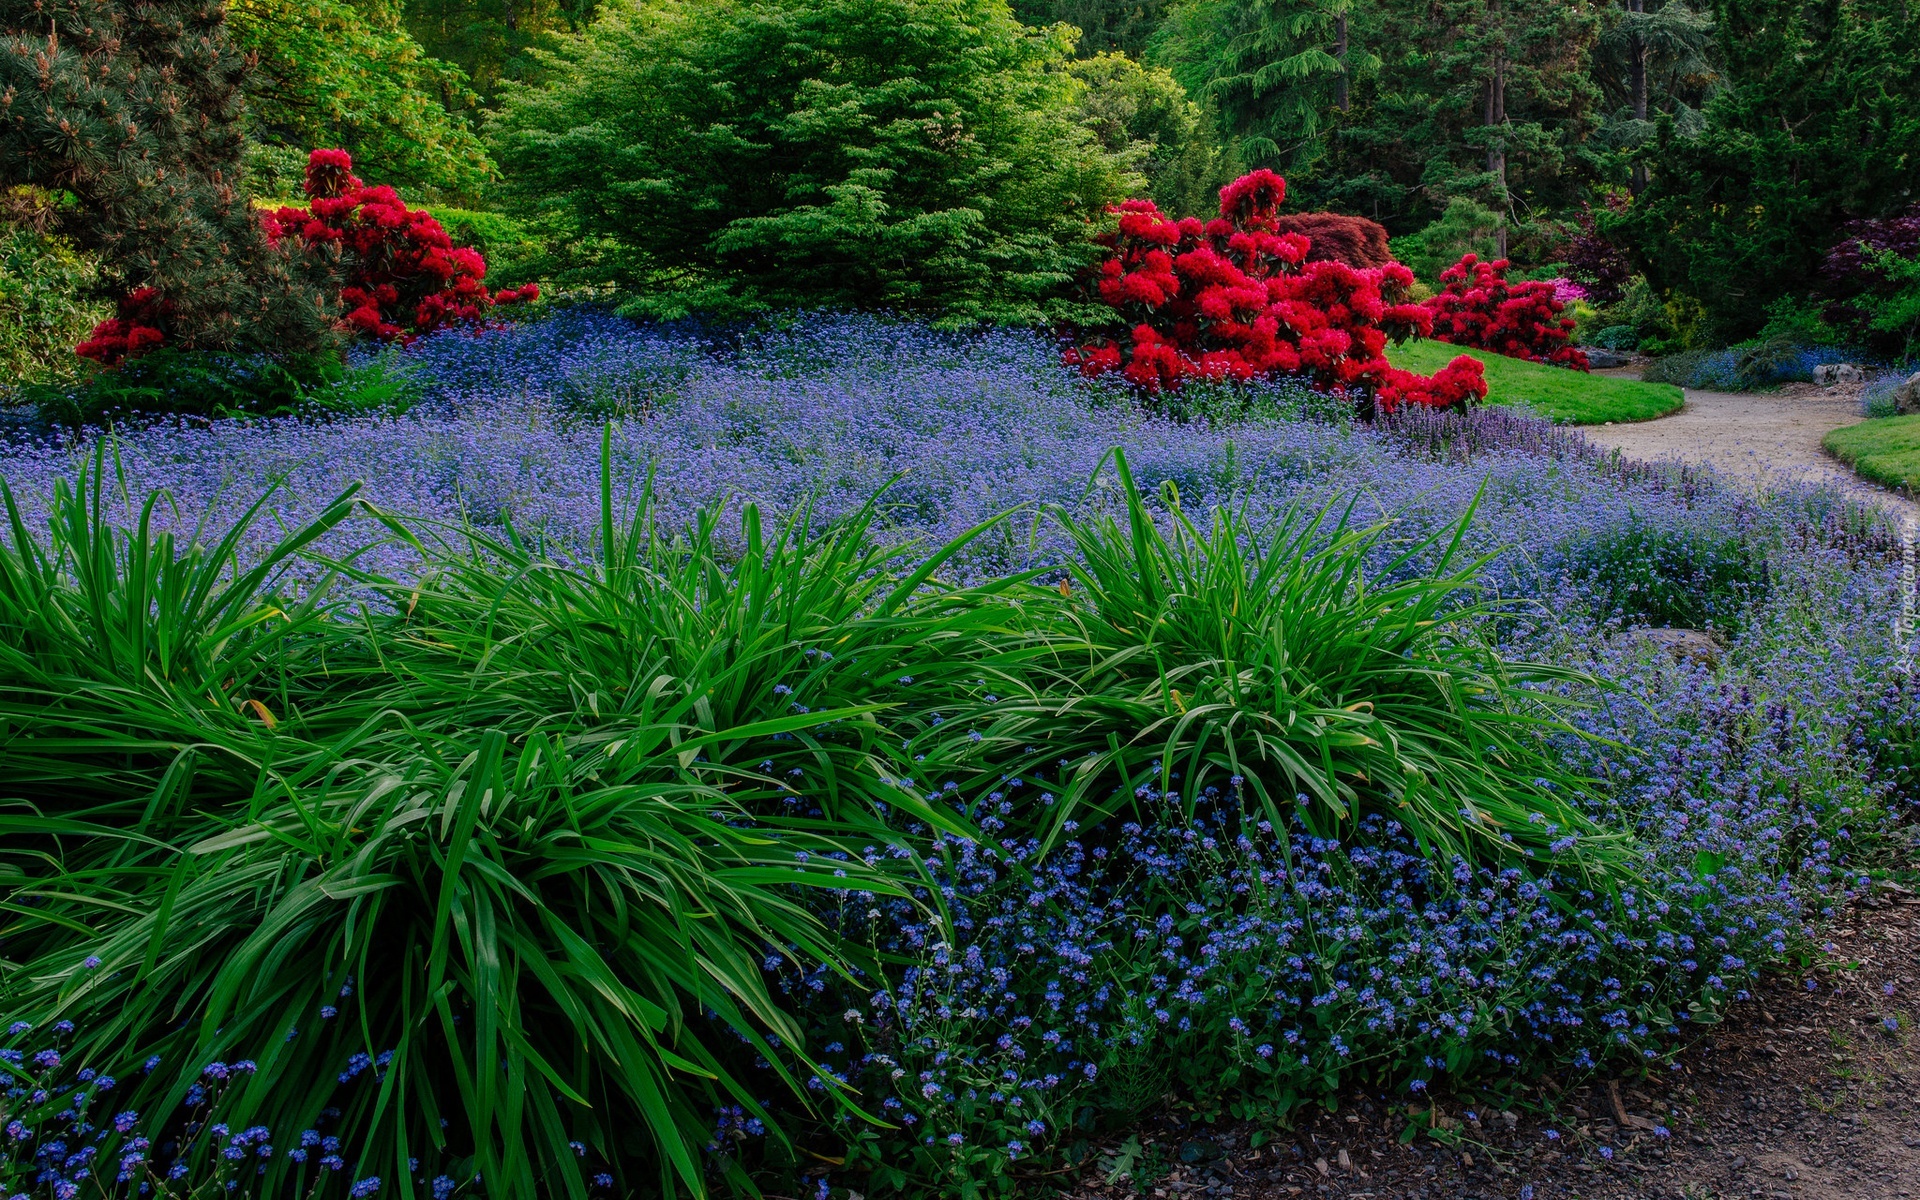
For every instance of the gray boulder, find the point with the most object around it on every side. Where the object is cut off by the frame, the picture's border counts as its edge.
(1601, 360)
(1829, 374)
(1906, 396)
(1697, 645)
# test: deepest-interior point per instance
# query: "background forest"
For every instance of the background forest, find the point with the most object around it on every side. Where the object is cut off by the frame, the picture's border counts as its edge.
(1707, 173)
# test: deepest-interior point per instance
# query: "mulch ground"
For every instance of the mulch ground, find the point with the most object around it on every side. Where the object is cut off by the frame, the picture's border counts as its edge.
(1803, 1092)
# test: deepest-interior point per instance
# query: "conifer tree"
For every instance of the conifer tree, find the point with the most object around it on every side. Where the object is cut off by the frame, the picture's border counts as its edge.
(135, 109)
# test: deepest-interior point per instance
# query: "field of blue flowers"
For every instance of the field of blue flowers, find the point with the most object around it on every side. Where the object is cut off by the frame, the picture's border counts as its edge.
(251, 946)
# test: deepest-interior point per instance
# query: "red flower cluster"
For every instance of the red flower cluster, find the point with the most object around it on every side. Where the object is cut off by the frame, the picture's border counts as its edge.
(1235, 298)
(130, 334)
(1478, 307)
(405, 277)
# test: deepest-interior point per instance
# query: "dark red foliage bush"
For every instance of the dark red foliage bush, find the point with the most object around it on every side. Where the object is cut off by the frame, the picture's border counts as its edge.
(1235, 298)
(1595, 263)
(1847, 271)
(1354, 241)
(1477, 307)
(402, 275)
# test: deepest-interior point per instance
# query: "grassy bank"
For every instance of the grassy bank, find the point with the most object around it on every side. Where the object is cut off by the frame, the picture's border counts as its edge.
(1567, 397)
(1885, 450)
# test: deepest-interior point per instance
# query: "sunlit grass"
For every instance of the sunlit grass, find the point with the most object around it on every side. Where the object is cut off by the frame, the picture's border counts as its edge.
(1885, 450)
(1568, 397)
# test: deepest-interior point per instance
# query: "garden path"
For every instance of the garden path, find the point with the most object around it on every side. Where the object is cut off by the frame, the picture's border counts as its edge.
(1768, 438)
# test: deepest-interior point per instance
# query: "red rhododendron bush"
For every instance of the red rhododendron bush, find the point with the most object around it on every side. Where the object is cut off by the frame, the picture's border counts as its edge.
(404, 277)
(1477, 307)
(134, 331)
(400, 274)
(1234, 298)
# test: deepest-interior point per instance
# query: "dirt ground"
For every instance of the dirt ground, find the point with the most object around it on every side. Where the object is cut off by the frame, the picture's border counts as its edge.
(1805, 1092)
(1768, 438)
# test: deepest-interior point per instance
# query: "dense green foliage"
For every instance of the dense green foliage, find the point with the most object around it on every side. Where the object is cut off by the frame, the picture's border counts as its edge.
(950, 157)
(1106, 26)
(45, 306)
(1143, 116)
(923, 155)
(1394, 110)
(335, 73)
(1819, 123)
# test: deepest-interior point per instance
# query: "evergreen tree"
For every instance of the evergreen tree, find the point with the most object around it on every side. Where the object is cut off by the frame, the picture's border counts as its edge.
(917, 155)
(1401, 109)
(1273, 70)
(1511, 73)
(1818, 126)
(1654, 56)
(136, 109)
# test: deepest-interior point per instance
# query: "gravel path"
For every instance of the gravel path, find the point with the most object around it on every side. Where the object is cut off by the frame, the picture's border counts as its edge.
(1770, 438)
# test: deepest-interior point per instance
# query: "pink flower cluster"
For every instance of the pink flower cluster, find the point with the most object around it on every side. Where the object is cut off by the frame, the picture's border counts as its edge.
(1477, 307)
(1234, 298)
(1567, 292)
(405, 276)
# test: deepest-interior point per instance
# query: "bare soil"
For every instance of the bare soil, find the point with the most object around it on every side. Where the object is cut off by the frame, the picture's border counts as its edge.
(1805, 1092)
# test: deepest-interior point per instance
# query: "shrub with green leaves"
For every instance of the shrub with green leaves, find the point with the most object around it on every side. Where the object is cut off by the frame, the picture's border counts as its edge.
(44, 304)
(900, 154)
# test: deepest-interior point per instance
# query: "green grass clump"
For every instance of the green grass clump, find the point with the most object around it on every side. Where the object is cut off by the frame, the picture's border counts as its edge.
(1568, 397)
(1693, 579)
(1885, 450)
(532, 826)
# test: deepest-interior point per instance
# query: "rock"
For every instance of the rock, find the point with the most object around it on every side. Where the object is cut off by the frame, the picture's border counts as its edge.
(1830, 374)
(1696, 644)
(1604, 360)
(1906, 397)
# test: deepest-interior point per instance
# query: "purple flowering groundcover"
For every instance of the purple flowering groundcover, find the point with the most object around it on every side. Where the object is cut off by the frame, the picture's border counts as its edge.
(462, 835)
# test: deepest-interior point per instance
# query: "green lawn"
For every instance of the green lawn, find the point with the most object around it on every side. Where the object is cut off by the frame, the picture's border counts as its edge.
(1885, 450)
(1568, 397)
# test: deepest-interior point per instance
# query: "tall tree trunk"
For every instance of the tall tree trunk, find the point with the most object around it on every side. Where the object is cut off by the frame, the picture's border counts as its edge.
(1496, 116)
(1637, 78)
(1341, 97)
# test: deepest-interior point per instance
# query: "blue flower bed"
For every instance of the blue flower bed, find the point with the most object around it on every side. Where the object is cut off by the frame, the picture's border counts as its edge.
(1213, 960)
